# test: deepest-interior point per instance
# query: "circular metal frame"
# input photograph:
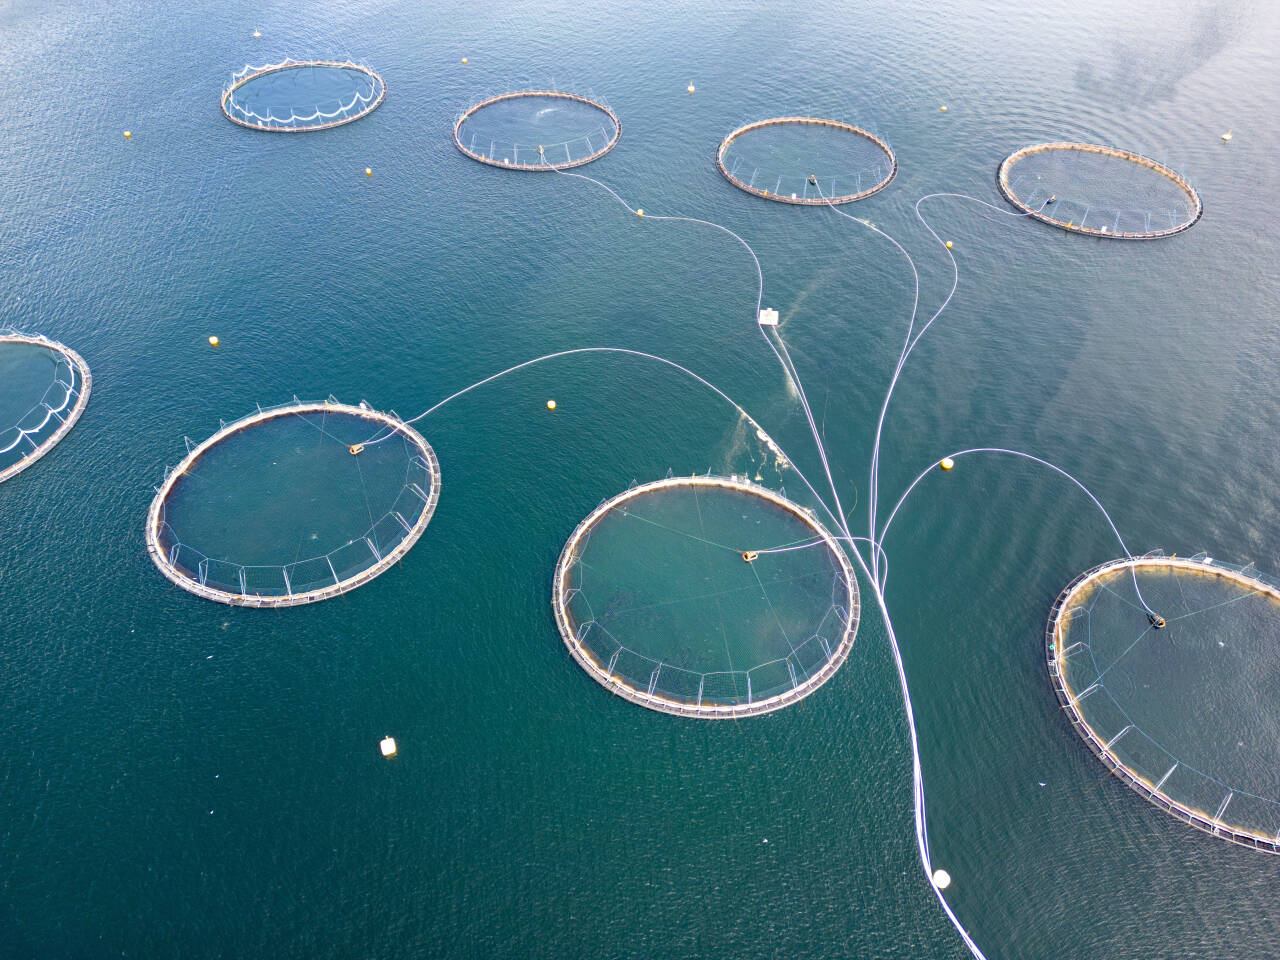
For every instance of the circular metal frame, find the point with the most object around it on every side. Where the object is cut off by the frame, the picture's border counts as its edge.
(811, 121)
(600, 672)
(1006, 190)
(537, 167)
(155, 515)
(1055, 649)
(79, 366)
(264, 124)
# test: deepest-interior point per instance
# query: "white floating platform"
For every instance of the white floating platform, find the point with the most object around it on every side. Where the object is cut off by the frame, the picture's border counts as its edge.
(768, 318)
(388, 746)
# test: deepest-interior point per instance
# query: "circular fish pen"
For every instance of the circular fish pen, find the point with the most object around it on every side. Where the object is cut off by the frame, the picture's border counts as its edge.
(1178, 702)
(288, 481)
(806, 160)
(705, 597)
(302, 96)
(513, 132)
(1099, 191)
(44, 388)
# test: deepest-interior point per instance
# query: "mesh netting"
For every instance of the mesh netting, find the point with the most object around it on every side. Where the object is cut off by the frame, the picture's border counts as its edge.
(706, 596)
(806, 160)
(1181, 703)
(302, 95)
(1099, 190)
(44, 388)
(289, 505)
(536, 130)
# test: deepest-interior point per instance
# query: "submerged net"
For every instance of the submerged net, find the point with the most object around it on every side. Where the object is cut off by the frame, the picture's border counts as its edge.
(44, 387)
(806, 160)
(1100, 191)
(296, 96)
(536, 130)
(706, 596)
(276, 509)
(1186, 712)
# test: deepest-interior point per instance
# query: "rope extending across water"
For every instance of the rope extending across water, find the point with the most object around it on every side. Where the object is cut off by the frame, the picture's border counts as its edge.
(875, 567)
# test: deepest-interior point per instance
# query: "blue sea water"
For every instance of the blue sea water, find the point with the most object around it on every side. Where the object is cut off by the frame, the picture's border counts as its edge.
(184, 779)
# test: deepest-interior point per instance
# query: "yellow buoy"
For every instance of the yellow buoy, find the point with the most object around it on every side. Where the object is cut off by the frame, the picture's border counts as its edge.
(749, 555)
(356, 449)
(1226, 137)
(257, 34)
(127, 134)
(388, 746)
(551, 404)
(947, 463)
(640, 212)
(943, 109)
(948, 244)
(368, 171)
(691, 88)
(464, 59)
(213, 341)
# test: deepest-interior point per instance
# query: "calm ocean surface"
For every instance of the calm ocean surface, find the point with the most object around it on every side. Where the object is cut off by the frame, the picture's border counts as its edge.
(181, 779)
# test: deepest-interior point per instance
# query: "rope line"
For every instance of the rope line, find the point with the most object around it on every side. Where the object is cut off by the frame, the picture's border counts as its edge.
(875, 565)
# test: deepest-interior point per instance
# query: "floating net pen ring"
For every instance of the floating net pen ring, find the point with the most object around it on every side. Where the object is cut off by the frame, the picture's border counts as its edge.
(360, 104)
(734, 583)
(386, 540)
(1073, 216)
(860, 193)
(62, 403)
(543, 161)
(1112, 728)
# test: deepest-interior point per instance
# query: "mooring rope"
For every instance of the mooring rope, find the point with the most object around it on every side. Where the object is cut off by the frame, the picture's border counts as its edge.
(876, 567)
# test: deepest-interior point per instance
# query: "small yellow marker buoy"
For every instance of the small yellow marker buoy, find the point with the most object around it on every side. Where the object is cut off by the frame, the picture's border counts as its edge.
(691, 88)
(127, 134)
(640, 212)
(257, 34)
(551, 404)
(943, 109)
(948, 244)
(213, 341)
(1226, 137)
(368, 171)
(464, 60)
(947, 463)
(388, 746)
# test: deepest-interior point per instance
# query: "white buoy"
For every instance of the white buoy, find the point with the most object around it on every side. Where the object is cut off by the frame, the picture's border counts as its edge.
(941, 879)
(388, 746)
(257, 34)
(1226, 137)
